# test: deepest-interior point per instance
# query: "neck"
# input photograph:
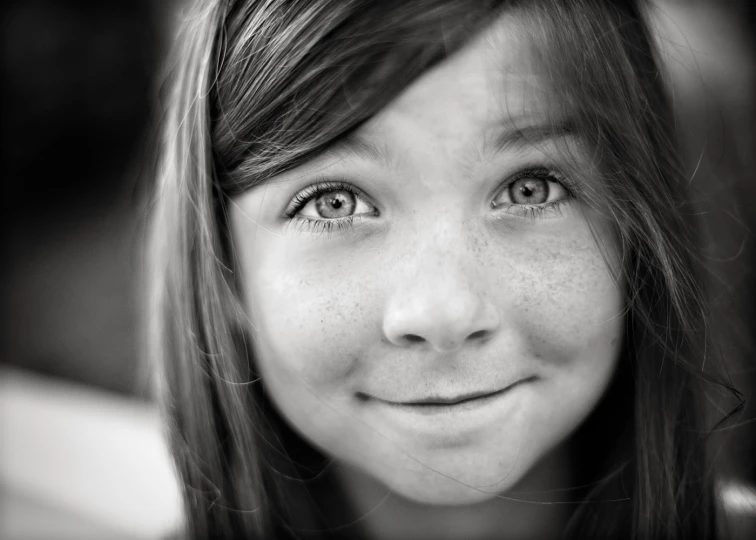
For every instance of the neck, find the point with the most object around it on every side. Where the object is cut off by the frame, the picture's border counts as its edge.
(526, 511)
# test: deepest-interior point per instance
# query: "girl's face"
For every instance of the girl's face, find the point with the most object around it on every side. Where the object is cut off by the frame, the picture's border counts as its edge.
(428, 301)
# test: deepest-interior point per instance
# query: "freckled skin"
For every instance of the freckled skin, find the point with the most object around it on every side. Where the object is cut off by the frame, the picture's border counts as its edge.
(491, 298)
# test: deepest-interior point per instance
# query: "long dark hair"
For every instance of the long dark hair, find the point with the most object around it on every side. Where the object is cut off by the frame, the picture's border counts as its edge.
(259, 87)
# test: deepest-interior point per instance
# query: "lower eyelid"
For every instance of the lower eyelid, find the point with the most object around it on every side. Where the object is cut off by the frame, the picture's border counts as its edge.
(323, 226)
(546, 210)
(333, 220)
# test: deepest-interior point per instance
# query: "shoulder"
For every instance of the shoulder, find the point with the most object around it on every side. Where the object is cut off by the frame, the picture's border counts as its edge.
(737, 502)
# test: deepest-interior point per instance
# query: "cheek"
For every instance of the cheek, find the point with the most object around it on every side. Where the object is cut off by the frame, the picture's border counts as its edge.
(568, 305)
(576, 304)
(310, 317)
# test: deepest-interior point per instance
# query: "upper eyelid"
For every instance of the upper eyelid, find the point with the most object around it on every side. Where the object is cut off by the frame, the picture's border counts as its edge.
(545, 173)
(550, 170)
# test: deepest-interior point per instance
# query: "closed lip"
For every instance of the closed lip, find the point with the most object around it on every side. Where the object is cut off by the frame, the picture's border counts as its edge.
(458, 399)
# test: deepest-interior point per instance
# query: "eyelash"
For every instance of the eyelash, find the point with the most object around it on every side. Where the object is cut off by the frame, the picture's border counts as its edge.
(328, 226)
(321, 225)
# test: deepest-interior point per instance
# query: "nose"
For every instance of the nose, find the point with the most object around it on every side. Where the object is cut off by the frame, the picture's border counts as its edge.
(440, 307)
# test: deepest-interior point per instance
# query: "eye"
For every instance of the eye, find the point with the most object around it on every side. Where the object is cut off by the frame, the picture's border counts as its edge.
(533, 187)
(329, 201)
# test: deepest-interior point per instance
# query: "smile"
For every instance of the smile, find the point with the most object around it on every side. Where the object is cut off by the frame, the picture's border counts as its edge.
(440, 405)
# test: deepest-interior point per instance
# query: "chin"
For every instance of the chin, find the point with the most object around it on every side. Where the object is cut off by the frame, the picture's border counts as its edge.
(432, 488)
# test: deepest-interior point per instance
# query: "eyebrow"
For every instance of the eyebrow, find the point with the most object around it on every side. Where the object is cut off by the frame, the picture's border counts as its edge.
(511, 137)
(507, 137)
(361, 147)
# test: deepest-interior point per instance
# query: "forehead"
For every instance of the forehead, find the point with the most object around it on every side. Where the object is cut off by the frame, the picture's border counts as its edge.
(492, 82)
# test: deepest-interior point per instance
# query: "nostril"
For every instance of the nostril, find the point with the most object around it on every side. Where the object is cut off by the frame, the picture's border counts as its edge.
(412, 338)
(478, 334)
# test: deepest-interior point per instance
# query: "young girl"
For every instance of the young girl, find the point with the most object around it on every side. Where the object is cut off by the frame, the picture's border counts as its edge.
(428, 269)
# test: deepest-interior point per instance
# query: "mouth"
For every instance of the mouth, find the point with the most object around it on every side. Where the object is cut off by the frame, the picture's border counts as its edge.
(441, 403)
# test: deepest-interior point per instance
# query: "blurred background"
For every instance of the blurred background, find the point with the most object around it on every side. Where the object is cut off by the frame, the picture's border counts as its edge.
(79, 111)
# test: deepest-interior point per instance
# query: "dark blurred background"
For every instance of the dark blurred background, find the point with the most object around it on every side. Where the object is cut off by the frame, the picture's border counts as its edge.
(79, 110)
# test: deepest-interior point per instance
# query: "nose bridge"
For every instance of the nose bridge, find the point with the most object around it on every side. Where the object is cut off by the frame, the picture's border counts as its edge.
(438, 296)
(442, 255)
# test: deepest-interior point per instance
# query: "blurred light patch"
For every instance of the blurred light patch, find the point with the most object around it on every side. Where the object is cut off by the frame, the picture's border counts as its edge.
(78, 460)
